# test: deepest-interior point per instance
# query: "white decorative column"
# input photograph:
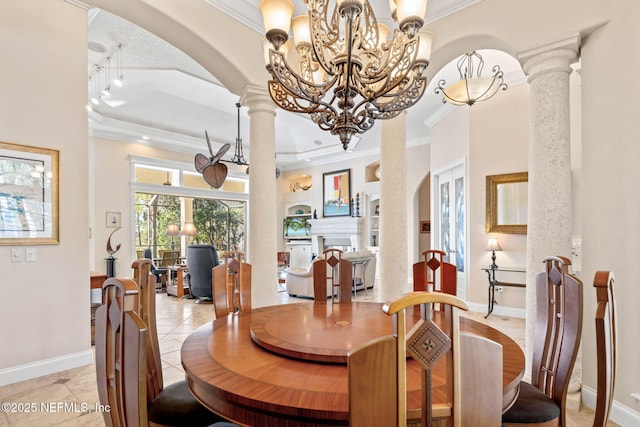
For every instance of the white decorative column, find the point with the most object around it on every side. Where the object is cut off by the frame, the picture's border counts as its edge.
(262, 248)
(393, 262)
(549, 212)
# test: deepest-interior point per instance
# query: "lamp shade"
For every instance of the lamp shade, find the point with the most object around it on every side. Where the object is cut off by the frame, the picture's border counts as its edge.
(188, 229)
(277, 14)
(172, 230)
(424, 45)
(411, 9)
(301, 32)
(493, 245)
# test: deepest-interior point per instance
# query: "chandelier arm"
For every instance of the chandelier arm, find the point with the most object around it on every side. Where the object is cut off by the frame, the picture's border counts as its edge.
(401, 62)
(492, 89)
(295, 84)
(324, 36)
(401, 100)
(286, 100)
(370, 35)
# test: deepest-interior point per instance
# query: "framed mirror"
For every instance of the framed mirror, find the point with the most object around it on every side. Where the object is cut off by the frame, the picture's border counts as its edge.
(507, 203)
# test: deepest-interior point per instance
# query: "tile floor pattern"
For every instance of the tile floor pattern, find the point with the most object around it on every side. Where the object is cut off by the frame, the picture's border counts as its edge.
(176, 319)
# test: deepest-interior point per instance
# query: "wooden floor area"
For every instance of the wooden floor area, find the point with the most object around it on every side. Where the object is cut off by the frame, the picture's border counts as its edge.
(176, 319)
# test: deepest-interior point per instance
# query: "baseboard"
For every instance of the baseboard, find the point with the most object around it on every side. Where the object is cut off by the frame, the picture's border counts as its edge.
(45, 367)
(620, 414)
(499, 310)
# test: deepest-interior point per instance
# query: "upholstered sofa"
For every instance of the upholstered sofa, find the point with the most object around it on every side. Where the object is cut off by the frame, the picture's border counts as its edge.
(299, 280)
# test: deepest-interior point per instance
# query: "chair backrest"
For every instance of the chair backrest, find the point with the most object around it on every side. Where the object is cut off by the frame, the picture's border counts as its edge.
(170, 258)
(283, 259)
(200, 261)
(558, 330)
(606, 345)
(121, 345)
(378, 371)
(232, 285)
(333, 271)
(434, 274)
(147, 311)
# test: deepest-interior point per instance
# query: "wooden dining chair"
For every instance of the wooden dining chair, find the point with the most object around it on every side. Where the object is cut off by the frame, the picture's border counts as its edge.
(146, 309)
(434, 274)
(606, 345)
(558, 331)
(173, 405)
(231, 285)
(468, 383)
(335, 272)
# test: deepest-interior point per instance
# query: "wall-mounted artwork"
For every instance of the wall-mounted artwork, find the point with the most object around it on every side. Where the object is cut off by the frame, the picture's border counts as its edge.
(28, 195)
(336, 190)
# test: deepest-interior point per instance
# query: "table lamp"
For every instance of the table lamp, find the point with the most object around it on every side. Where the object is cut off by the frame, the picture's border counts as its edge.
(172, 230)
(189, 230)
(493, 246)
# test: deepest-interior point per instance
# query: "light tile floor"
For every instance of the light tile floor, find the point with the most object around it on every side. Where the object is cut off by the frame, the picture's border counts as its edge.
(76, 388)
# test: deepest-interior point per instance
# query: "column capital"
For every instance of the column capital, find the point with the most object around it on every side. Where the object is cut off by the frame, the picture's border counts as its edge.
(554, 56)
(257, 98)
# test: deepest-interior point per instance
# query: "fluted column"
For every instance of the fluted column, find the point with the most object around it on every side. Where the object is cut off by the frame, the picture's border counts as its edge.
(393, 208)
(262, 249)
(549, 211)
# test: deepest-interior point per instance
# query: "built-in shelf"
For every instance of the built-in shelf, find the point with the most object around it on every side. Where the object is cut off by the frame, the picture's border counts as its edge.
(374, 220)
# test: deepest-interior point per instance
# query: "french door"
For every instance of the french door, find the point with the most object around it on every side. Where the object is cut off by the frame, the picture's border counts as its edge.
(450, 229)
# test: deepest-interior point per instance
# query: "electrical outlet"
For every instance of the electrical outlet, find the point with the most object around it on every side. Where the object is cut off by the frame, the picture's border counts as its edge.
(499, 289)
(16, 255)
(32, 255)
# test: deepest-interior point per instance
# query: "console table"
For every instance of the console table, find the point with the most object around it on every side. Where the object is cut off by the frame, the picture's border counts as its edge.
(491, 276)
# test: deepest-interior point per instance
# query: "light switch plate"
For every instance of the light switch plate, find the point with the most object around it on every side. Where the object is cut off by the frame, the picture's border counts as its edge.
(32, 255)
(17, 255)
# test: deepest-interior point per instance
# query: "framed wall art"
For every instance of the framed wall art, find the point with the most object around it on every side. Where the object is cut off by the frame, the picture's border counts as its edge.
(336, 193)
(425, 226)
(29, 192)
(114, 220)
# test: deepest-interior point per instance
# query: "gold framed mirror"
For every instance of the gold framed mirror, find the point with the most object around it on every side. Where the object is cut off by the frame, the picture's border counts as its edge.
(507, 203)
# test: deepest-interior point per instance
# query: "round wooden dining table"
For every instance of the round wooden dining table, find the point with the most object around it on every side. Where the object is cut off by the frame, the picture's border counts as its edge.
(285, 365)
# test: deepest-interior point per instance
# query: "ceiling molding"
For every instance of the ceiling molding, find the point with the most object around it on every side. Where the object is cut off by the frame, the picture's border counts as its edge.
(79, 4)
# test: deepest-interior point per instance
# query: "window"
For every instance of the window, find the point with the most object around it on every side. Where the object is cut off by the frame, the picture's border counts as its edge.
(167, 193)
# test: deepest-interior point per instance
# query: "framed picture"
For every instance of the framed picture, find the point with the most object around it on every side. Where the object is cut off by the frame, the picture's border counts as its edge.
(336, 193)
(29, 191)
(425, 226)
(113, 220)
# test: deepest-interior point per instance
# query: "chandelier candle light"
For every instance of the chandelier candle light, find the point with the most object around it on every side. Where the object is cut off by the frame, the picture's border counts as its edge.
(349, 73)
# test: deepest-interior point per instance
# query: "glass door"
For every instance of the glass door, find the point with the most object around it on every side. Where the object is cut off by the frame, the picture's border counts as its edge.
(449, 231)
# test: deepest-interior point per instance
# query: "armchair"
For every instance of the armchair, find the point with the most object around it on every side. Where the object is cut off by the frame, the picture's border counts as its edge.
(159, 272)
(201, 259)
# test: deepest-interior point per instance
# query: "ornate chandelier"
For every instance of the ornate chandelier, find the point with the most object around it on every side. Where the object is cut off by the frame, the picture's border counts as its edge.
(348, 73)
(470, 89)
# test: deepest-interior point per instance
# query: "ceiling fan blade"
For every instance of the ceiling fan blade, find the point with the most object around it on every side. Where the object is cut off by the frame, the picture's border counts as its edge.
(201, 161)
(208, 143)
(215, 174)
(221, 152)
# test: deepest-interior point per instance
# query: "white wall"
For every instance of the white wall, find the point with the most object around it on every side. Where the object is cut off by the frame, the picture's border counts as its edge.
(45, 305)
(111, 191)
(499, 132)
(610, 173)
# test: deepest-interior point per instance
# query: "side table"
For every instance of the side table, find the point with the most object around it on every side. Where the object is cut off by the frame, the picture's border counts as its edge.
(491, 277)
(175, 281)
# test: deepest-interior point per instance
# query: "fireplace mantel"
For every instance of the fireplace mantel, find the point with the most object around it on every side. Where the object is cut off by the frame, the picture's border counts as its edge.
(335, 228)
